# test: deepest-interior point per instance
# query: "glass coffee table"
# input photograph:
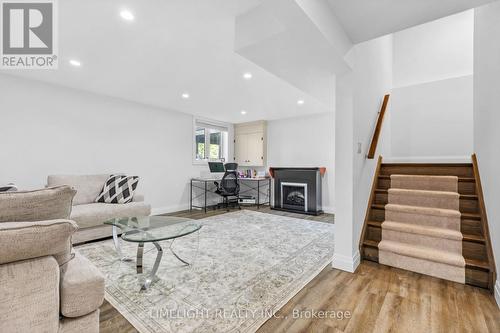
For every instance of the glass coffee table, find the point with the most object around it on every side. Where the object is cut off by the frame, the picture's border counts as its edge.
(151, 229)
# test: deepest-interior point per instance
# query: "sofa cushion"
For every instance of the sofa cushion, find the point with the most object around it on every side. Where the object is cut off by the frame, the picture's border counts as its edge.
(38, 205)
(96, 214)
(88, 187)
(25, 240)
(82, 288)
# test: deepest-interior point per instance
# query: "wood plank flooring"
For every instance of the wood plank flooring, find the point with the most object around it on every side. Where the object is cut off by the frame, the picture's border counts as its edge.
(199, 214)
(376, 298)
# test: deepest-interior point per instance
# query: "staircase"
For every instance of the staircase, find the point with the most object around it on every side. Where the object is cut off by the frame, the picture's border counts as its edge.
(430, 219)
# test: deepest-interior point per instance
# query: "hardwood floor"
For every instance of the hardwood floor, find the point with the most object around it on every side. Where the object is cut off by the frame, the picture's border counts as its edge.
(376, 298)
(385, 299)
(199, 214)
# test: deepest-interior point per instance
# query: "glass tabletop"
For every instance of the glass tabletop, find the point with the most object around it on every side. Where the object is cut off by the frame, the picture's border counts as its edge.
(154, 228)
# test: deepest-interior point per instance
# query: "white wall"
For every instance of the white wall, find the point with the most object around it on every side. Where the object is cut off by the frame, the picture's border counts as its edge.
(431, 100)
(359, 96)
(434, 51)
(373, 74)
(49, 129)
(487, 116)
(305, 142)
(433, 119)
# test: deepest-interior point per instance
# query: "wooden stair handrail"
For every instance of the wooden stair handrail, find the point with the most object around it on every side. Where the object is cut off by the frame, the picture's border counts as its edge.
(484, 222)
(378, 128)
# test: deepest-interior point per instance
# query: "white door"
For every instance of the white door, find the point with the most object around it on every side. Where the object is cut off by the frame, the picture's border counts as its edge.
(255, 149)
(241, 149)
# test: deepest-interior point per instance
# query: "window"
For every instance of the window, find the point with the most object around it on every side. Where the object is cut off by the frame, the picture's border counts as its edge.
(210, 141)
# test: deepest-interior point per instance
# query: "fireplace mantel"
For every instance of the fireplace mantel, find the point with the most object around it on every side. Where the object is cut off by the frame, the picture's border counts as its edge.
(322, 170)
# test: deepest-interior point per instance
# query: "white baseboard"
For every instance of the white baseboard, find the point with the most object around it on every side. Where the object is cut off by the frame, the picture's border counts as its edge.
(168, 209)
(329, 210)
(346, 263)
(497, 292)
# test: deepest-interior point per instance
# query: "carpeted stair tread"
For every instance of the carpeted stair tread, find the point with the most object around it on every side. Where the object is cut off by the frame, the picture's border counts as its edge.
(440, 212)
(423, 230)
(423, 182)
(434, 194)
(423, 266)
(424, 216)
(424, 198)
(422, 253)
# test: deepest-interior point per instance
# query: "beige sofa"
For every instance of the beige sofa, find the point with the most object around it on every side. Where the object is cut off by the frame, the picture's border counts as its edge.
(87, 213)
(44, 287)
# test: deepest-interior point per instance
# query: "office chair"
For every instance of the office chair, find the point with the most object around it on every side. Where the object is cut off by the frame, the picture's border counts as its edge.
(229, 187)
(231, 166)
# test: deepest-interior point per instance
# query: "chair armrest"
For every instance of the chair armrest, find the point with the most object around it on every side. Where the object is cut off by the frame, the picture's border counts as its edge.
(138, 198)
(26, 240)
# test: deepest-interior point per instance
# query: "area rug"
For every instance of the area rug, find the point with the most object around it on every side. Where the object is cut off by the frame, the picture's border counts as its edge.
(244, 267)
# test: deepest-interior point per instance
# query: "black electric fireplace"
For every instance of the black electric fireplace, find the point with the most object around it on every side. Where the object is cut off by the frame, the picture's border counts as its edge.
(297, 190)
(294, 196)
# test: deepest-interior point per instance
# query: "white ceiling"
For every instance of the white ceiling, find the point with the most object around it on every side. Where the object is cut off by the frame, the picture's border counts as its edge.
(171, 47)
(177, 46)
(367, 19)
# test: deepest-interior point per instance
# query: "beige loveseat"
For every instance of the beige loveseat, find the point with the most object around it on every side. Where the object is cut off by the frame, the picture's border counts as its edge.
(44, 286)
(87, 213)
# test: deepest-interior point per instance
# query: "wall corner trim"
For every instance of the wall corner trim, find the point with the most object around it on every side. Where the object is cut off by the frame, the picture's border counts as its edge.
(346, 263)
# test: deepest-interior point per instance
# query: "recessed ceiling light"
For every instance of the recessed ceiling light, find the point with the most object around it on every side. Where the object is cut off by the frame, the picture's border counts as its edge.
(243, 112)
(127, 15)
(247, 76)
(75, 63)
(300, 102)
(185, 95)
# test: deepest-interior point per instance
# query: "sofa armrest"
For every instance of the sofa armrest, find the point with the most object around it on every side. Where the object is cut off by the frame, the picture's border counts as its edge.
(30, 295)
(26, 240)
(138, 198)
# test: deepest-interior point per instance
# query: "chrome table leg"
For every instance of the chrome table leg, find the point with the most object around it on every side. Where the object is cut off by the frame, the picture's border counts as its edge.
(118, 246)
(151, 275)
(140, 253)
(175, 254)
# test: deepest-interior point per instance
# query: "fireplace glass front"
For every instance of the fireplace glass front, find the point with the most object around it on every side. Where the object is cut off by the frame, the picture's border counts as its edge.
(294, 196)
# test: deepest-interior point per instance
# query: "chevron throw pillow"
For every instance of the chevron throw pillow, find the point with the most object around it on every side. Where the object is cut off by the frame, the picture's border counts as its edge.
(118, 189)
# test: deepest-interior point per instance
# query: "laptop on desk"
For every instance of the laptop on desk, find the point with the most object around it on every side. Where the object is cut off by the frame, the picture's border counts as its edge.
(216, 170)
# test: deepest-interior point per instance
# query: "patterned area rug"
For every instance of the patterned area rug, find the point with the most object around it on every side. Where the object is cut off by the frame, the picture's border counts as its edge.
(245, 266)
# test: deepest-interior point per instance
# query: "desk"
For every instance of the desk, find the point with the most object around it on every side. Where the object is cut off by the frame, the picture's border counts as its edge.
(246, 185)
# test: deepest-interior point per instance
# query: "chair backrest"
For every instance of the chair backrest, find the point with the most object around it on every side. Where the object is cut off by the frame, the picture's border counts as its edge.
(230, 183)
(231, 166)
